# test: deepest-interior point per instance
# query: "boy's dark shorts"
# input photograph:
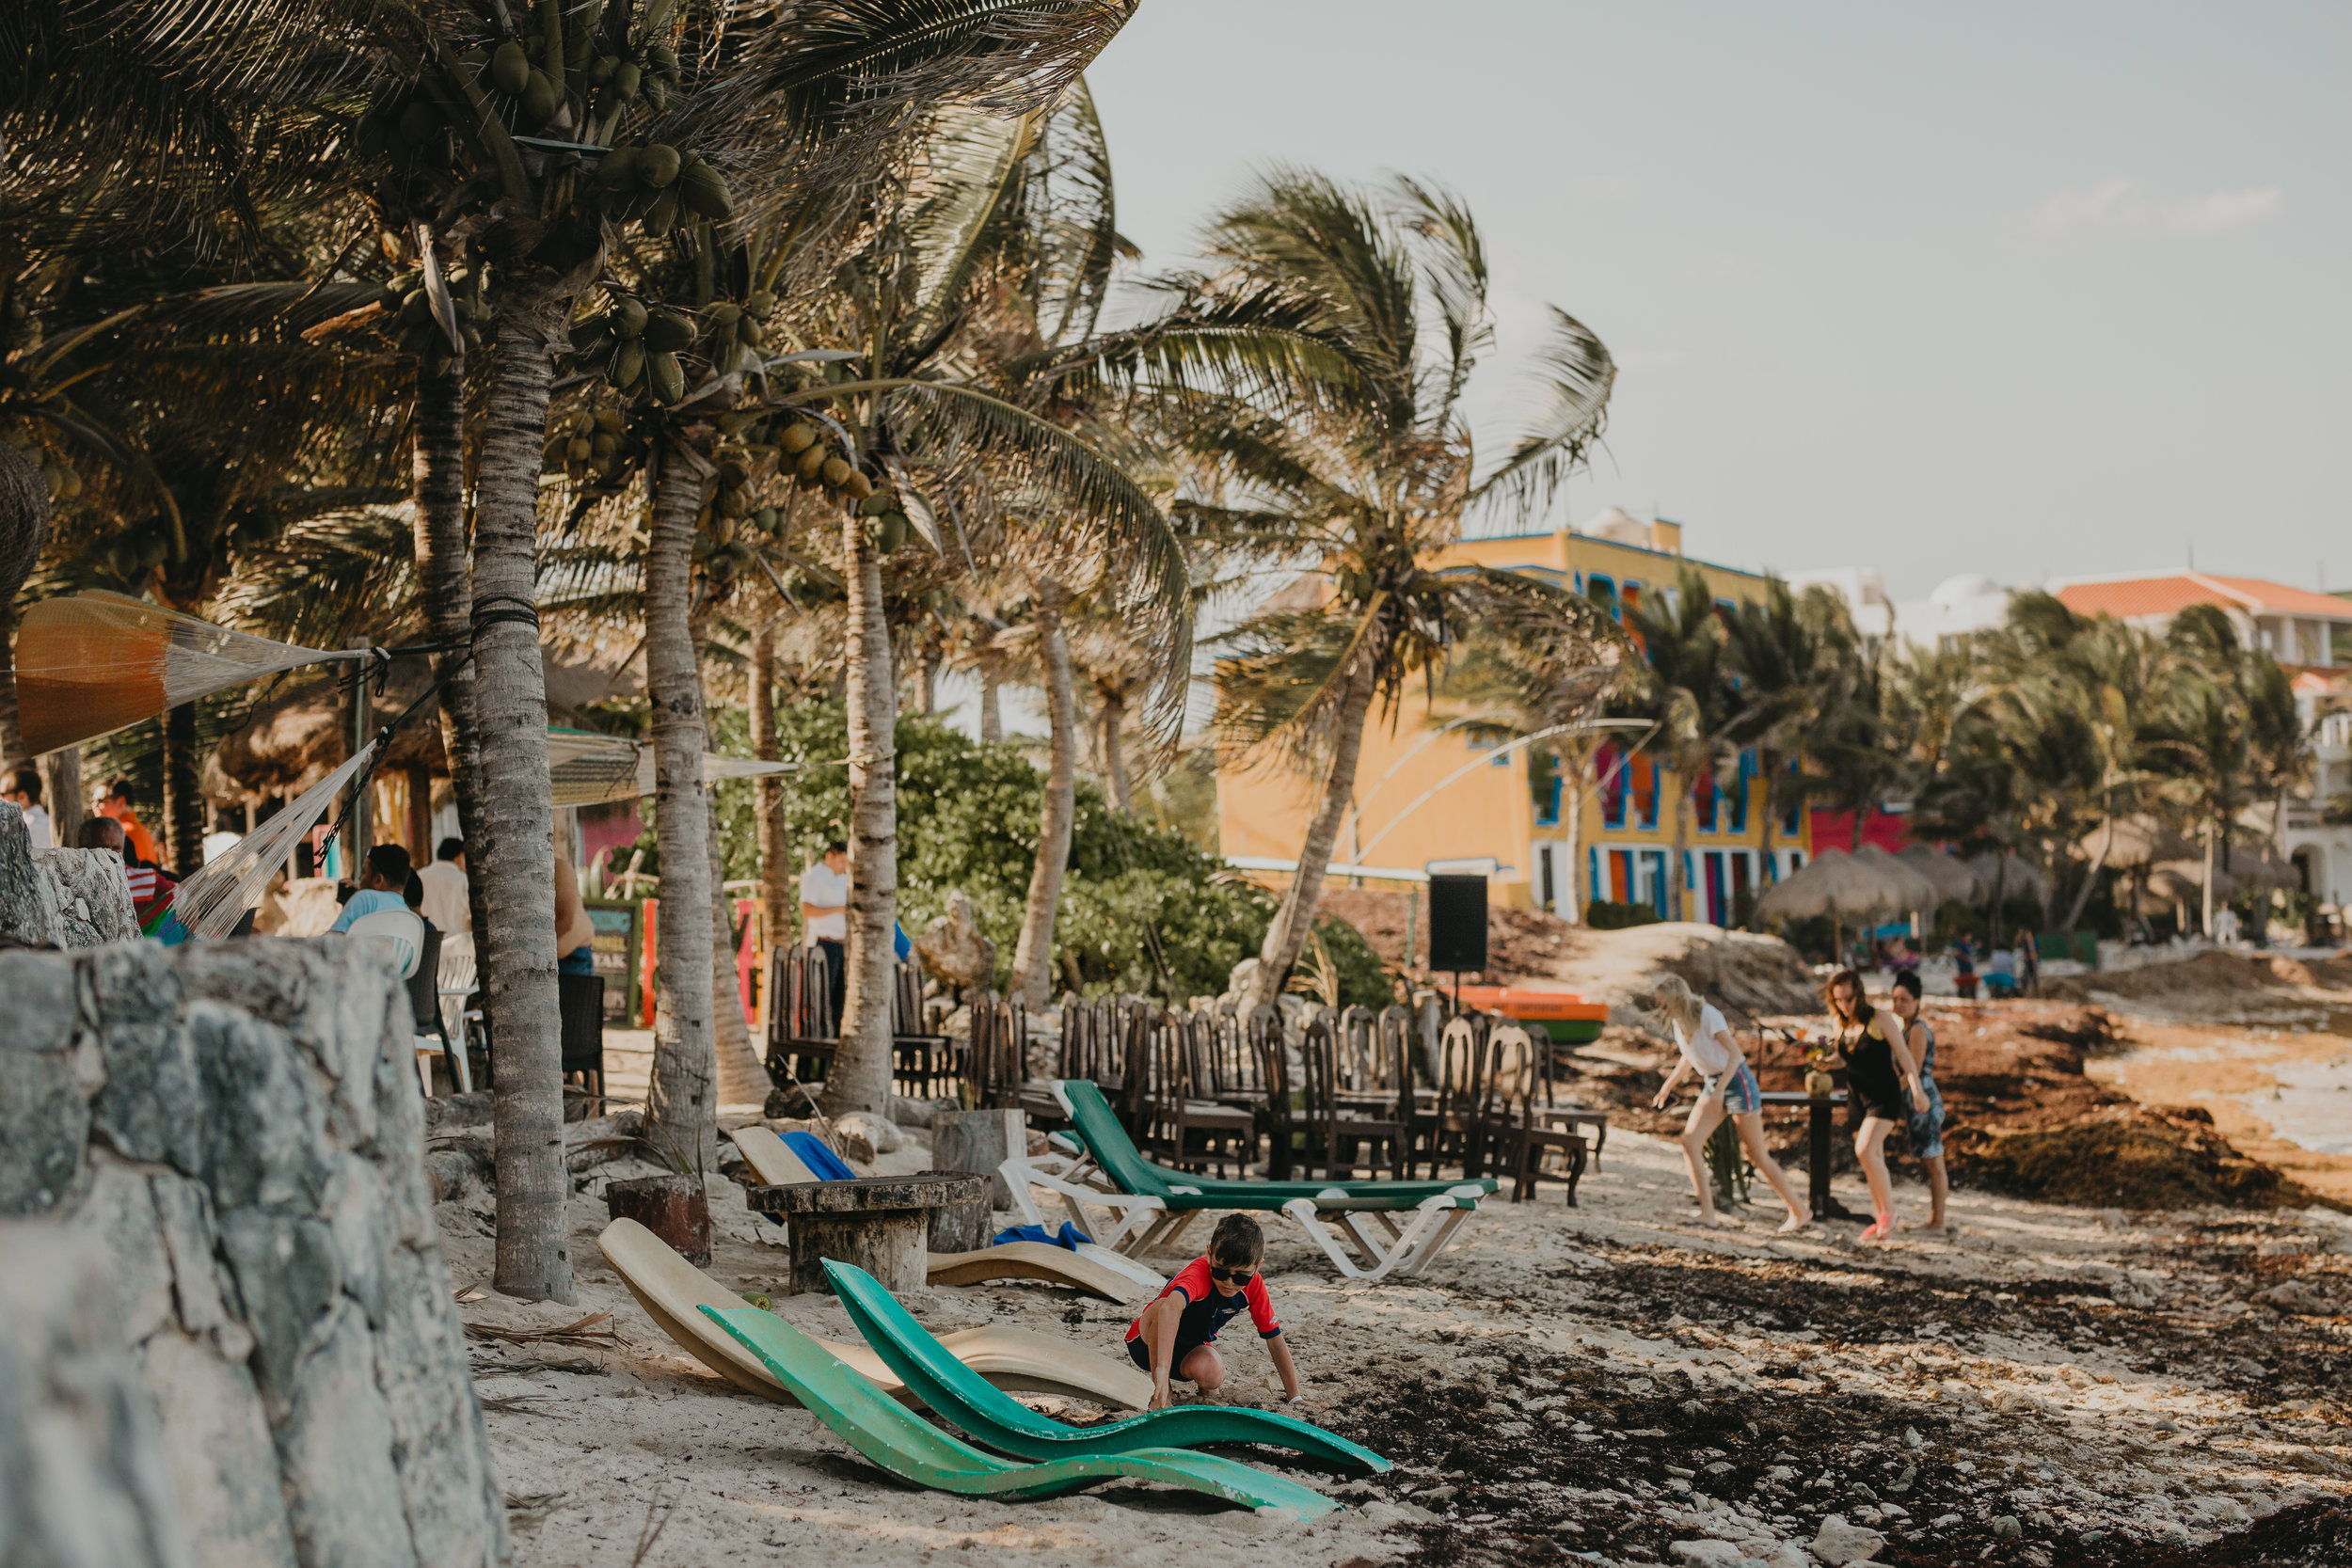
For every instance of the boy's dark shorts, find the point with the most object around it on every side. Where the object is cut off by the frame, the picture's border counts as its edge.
(1141, 1354)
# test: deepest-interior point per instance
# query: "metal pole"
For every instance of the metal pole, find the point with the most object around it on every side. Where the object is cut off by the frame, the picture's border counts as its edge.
(362, 722)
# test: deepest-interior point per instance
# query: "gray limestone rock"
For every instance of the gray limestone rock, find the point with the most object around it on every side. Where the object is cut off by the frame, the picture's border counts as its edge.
(44, 1114)
(83, 1480)
(953, 951)
(88, 897)
(1839, 1543)
(27, 910)
(234, 1130)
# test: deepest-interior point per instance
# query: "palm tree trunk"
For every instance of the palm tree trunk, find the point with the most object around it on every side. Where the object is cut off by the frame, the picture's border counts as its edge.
(681, 1104)
(925, 683)
(1033, 957)
(24, 525)
(438, 480)
(61, 792)
(184, 803)
(1115, 753)
(740, 1077)
(1287, 936)
(1677, 876)
(2090, 879)
(860, 1072)
(514, 864)
(992, 711)
(1581, 765)
(776, 867)
(11, 736)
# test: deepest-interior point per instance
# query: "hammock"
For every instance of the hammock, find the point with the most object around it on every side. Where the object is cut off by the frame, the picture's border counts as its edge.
(210, 903)
(589, 769)
(90, 664)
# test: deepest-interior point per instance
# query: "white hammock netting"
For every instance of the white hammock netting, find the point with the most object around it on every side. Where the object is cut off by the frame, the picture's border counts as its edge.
(210, 903)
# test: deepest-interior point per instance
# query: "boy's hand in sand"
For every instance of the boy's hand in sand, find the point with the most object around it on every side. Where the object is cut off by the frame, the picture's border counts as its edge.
(1159, 1395)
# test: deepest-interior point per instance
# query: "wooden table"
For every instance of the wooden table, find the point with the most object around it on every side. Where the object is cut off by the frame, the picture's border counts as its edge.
(879, 1223)
(1826, 1205)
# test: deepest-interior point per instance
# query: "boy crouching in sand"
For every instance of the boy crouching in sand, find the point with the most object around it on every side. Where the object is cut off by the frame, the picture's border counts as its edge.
(1176, 1335)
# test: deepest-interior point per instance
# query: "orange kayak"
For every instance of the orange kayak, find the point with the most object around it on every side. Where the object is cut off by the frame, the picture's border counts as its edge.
(1564, 1016)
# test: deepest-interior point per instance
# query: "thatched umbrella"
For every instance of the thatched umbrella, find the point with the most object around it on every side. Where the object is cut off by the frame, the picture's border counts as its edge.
(2260, 869)
(1832, 883)
(1954, 883)
(1838, 884)
(2134, 844)
(1915, 892)
(2010, 875)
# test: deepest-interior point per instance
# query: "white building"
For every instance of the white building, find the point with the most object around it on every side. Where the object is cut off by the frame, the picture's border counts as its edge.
(1970, 602)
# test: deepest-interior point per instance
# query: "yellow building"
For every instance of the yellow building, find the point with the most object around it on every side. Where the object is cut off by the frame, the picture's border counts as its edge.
(1427, 793)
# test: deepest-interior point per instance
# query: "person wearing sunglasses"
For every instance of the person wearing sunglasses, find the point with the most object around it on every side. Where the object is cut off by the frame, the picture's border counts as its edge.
(1176, 1335)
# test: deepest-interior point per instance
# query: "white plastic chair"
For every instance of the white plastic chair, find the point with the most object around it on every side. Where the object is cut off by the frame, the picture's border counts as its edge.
(403, 930)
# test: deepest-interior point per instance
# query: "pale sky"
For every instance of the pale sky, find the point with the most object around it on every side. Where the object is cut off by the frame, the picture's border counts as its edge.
(2028, 290)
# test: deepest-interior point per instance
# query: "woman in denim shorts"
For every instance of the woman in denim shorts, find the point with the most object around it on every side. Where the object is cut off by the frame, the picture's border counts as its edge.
(1926, 1127)
(1728, 1087)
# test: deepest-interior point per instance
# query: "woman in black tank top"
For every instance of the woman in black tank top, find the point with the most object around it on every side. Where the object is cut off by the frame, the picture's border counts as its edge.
(1883, 1080)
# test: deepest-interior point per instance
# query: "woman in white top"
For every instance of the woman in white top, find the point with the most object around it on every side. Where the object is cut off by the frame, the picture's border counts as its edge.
(1727, 1086)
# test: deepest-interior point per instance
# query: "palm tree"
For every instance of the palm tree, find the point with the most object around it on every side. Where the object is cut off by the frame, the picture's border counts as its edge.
(1791, 652)
(2225, 730)
(1313, 387)
(828, 88)
(1522, 681)
(1684, 684)
(947, 459)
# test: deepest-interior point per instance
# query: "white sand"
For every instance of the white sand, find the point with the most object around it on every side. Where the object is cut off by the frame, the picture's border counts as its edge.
(643, 1437)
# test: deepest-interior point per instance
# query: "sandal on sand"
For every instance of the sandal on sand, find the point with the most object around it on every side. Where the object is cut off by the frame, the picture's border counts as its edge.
(1880, 1229)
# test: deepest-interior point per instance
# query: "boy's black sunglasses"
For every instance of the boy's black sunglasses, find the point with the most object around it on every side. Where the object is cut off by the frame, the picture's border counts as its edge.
(1238, 1276)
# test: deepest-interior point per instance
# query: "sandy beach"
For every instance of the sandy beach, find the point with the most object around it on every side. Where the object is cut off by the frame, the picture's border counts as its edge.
(2041, 1384)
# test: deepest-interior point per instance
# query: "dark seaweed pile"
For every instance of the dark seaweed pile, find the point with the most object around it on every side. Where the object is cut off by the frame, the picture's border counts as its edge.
(1477, 1435)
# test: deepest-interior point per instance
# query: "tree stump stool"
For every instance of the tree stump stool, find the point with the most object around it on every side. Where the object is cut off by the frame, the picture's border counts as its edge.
(673, 1207)
(879, 1223)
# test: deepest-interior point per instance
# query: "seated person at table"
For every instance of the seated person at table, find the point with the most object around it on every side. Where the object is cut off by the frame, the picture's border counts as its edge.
(384, 888)
(1176, 1335)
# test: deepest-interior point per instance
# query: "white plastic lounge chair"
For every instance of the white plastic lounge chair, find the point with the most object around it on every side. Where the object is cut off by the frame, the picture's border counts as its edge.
(1098, 1167)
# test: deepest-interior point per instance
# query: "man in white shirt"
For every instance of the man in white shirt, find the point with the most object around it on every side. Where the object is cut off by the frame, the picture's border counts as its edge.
(445, 891)
(23, 791)
(824, 916)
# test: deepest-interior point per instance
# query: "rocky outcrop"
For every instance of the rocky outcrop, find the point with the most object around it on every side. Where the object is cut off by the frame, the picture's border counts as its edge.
(235, 1128)
(61, 897)
(84, 1483)
(952, 949)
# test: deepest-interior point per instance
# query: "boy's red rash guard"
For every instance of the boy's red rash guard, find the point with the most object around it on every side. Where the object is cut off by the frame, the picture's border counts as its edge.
(1206, 1310)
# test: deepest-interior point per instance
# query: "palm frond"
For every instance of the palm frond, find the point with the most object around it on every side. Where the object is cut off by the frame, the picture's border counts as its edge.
(839, 67)
(967, 169)
(1575, 374)
(1032, 460)
(1453, 266)
(1281, 679)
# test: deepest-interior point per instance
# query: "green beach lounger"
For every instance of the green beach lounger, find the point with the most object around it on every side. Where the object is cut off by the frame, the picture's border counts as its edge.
(996, 1419)
(907, 1446)
(1149, 1205)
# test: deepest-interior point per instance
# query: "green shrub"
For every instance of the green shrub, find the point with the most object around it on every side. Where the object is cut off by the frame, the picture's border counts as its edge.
(1602, 914)
(1143, 909)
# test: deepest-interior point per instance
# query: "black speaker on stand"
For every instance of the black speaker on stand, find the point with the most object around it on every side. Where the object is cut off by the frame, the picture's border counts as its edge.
(1457, 927)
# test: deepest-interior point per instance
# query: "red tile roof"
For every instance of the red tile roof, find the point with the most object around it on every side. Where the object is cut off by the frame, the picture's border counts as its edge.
(2163, 594)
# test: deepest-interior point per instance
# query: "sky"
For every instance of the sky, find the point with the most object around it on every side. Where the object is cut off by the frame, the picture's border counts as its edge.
(2024, 289)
